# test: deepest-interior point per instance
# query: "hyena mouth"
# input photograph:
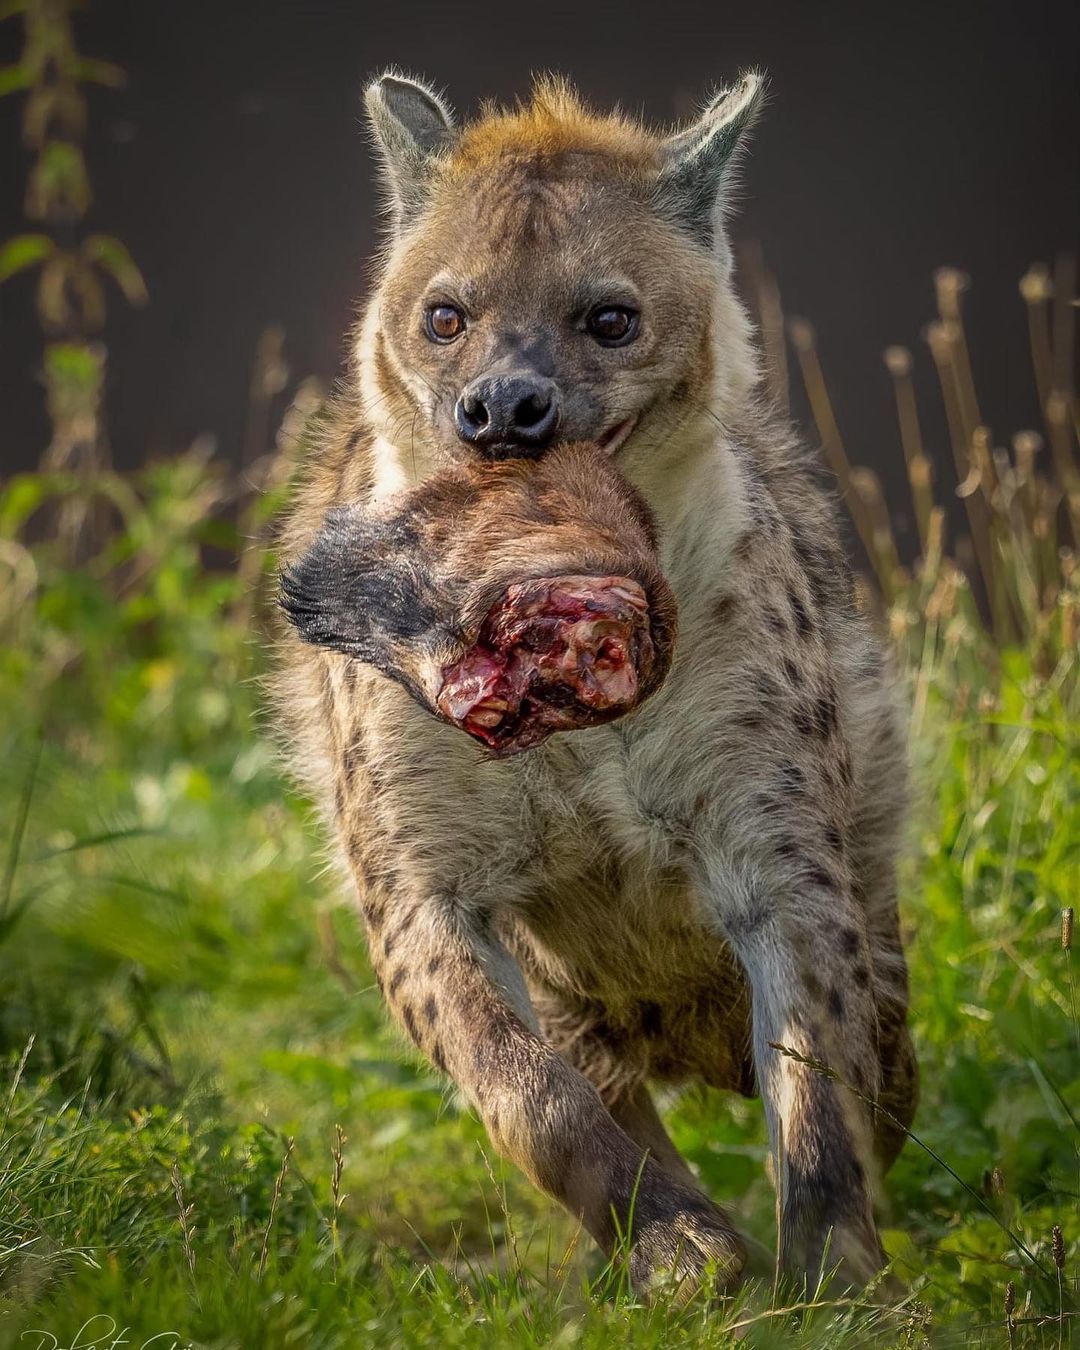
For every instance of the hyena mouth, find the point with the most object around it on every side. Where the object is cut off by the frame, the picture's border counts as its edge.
(610, 441)
(553, 654)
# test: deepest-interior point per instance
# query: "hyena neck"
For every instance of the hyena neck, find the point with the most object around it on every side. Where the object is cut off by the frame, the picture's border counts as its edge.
(695, 479)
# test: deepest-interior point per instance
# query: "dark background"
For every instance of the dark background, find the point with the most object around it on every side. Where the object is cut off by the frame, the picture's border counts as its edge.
(899, 137)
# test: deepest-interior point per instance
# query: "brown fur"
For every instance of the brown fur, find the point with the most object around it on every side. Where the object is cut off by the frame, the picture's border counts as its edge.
(665, 897)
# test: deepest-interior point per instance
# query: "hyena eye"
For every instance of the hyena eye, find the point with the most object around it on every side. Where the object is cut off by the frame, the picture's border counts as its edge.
(612, 325)
(444, 323)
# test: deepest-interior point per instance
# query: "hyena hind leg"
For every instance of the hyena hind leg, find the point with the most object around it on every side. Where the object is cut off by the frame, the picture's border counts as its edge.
(636, 1112)
(899, 1095)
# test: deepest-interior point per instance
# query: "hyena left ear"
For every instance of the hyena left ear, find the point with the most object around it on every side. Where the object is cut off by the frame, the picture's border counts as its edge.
(698, 162)
(412, 127)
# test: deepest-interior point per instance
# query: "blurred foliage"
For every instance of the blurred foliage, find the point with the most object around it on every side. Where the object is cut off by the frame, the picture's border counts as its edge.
(70, 297)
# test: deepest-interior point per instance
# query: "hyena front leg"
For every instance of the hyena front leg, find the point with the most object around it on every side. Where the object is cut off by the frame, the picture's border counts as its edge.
(461, 998)
(803, 945)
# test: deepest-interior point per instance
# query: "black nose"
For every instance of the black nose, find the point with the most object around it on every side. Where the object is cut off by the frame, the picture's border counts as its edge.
(508, 416)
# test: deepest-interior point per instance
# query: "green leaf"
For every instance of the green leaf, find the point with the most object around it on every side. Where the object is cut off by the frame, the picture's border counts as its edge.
(19, 500)
(112, 256)
(91, 71)
(23, 251)
(14, 79)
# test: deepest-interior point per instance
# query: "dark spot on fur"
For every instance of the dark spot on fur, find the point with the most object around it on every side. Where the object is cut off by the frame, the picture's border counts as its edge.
(850, 941)
(396, 980)
(433, 965)
(836, 1003)
(775, 619)
(792, 779)
(767, 804)
(803, 623)
(351, 759)
(792, 672)
(652, 1022)
(804, 721)
(819, 876)
(723, 608)
(768, 690)
(862, 976)
(431, 1010)
(437, 1057)
(409, 1018)
(752, 918)
(835, 839)
(811, 982)
(825, 714)
(403, 926)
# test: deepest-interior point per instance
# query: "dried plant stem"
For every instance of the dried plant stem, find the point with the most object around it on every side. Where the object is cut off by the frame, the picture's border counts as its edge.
(1061, 447)
(765, 294)
(950, 285)
(1066, 944)
(1037, 291)
(802, 337)
(275, 1199)
(898, 363)
(337, 1153)
(1064, 324)
(967, 469)
(187, 1214)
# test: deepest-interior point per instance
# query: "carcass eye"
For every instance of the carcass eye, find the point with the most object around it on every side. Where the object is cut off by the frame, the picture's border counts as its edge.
(445, 323)
(612, 325)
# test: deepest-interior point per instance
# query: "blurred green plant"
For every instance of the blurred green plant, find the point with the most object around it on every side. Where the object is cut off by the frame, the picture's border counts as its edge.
(71, 270)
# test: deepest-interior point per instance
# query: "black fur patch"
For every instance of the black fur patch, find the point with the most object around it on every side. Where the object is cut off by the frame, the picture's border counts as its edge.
(803, 623)
(652, 1022)
(358, 590)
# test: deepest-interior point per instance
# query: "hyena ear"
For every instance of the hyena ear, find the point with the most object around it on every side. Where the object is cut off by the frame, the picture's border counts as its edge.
(698, 163)
(412, 127)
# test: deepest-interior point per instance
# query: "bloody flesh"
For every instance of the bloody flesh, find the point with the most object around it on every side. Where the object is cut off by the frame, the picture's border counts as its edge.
(554, 653)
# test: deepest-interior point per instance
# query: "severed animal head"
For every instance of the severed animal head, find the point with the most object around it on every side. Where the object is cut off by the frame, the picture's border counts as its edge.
(511, 599)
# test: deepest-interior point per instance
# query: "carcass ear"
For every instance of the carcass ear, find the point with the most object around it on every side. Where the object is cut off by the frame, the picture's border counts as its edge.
(698, 162)
(412, 127)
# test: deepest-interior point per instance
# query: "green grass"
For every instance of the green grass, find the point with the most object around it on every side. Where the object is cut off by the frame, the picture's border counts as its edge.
(183, 991)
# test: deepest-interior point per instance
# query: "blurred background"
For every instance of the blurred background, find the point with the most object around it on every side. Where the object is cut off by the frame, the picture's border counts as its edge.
(233, 166)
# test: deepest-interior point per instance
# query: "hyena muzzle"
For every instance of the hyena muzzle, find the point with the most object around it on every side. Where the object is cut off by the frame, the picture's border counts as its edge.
(651, 857)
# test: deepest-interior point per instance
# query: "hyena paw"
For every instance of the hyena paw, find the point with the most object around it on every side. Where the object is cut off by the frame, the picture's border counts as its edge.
(685, 1245)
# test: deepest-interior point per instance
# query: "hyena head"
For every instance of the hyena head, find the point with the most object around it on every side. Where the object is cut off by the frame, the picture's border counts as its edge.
(551, 275)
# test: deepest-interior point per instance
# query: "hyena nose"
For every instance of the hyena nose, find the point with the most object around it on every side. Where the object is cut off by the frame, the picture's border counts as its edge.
(508, 416)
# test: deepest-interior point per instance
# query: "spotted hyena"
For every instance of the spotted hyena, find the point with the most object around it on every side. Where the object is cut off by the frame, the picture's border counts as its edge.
(672, 894)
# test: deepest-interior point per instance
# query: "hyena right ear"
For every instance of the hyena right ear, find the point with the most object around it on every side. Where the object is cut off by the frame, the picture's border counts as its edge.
(412, 127)
(697, 163)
